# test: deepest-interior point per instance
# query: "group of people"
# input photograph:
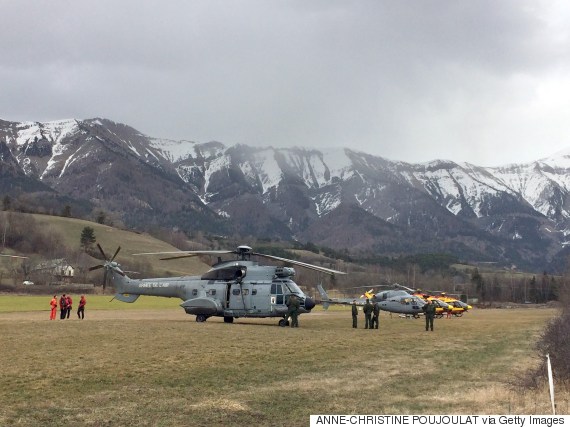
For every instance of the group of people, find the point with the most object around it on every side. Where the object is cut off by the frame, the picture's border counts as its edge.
(372, 314)
(65, 306)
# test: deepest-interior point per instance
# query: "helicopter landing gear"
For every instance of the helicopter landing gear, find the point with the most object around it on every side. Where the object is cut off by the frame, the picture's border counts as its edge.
(201, 318)
(283, 322)
(228, 319)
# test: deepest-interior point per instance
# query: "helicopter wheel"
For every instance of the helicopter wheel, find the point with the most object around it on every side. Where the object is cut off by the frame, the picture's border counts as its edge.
(201, 318)
(228, 319)
(283, 323)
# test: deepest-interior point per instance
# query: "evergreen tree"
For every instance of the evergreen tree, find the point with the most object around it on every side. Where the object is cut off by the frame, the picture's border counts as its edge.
(66, 212)
(479, 283)
(87, 238)
(101, 217)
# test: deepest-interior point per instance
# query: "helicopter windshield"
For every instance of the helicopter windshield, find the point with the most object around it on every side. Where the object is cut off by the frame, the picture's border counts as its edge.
(292, 287)
(419, 301)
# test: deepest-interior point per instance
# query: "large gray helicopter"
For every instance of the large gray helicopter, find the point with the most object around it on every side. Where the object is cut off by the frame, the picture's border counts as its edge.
(230, 289)
(393, 301)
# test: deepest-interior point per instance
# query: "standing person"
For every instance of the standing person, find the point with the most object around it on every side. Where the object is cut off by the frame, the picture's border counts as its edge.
(294, 309)
(288, 300)
(69, 302)
(53, 304)
(354, 314)
(81, 308)
(375, 314)
(429, 310)
(62, 307)
(367, 314)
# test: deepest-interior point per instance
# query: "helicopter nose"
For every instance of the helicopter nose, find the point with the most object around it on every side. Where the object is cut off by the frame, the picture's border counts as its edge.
(309, 303)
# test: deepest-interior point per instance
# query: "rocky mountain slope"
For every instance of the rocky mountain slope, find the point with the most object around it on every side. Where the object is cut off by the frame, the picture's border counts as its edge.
(339, 197)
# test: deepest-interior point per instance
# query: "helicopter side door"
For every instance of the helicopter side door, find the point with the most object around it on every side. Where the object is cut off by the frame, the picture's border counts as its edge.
(260, 298)
(277, 297)
(240, 297)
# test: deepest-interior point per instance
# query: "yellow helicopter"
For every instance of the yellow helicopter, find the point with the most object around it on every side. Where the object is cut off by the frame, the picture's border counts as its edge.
(459, 307)
(445, 305)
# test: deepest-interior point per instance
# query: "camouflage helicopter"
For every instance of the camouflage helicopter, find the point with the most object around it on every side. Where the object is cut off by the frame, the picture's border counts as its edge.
(230, 289)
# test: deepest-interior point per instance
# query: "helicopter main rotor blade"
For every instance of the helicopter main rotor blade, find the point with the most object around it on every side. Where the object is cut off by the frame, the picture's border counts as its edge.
(97, 267)
(188, 253)
(178, 257)
(302, 264)
(410, 290)
(242, 250)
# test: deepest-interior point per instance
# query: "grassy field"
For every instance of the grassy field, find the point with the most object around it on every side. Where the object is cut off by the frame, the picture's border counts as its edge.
(150, 364)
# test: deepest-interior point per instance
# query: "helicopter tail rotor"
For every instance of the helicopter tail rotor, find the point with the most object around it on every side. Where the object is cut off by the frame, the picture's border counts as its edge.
(109, 264)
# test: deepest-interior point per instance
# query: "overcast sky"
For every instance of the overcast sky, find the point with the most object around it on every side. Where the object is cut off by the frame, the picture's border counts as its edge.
(486, 82)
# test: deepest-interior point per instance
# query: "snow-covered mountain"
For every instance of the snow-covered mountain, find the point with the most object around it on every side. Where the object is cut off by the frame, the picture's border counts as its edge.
(339, 197)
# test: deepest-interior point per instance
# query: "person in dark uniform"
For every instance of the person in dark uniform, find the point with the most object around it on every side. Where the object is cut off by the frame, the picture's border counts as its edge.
(375, 314)
(62, 307)
(367, 314)
(68, 306)
(429, 310)
(288, 301)
(354, 314)
(294, 311)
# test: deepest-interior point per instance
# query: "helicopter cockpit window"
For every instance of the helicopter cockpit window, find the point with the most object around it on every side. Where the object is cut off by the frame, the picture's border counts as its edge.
(194, 292)
(246, 291)
(235, 291)
(254, 291)
(292, 287)
(233, 272)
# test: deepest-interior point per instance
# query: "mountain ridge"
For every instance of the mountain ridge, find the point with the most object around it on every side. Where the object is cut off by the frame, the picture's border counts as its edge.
(517, 213)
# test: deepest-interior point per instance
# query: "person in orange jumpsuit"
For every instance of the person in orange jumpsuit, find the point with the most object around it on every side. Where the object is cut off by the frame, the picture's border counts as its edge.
(53, 304)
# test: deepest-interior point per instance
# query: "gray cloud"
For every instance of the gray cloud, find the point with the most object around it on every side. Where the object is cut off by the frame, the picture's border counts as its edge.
(484, 82)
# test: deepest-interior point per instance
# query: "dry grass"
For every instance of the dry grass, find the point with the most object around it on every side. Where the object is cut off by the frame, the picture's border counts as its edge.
(158, 367)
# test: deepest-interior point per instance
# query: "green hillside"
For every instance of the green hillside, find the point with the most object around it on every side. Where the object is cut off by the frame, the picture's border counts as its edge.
(110, 238)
